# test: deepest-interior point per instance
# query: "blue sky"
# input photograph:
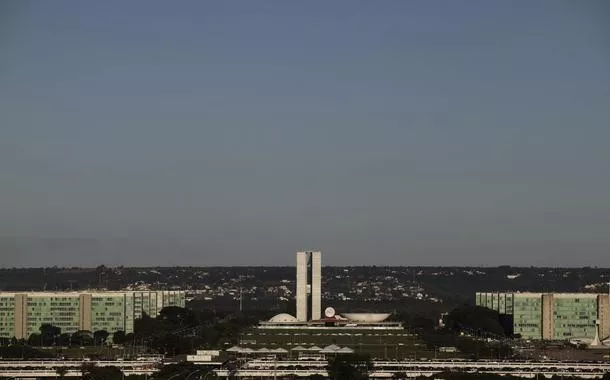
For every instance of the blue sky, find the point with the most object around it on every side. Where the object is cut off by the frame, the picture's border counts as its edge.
(236, 132)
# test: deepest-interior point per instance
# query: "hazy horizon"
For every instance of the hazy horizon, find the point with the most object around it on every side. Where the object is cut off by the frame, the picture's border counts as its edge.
(149, 133)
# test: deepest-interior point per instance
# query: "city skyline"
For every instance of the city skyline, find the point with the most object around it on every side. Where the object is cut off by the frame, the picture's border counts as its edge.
(400, 133)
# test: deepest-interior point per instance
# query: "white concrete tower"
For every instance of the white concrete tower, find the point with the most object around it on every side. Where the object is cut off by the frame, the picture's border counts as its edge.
(301, 286)
(309, 286)
(316, 285)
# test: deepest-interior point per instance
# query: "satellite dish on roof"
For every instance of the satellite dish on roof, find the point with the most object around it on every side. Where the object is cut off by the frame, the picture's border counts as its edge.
(329, 312)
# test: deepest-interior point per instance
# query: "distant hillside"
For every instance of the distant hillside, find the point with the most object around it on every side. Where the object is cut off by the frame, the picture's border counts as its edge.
(340, 284)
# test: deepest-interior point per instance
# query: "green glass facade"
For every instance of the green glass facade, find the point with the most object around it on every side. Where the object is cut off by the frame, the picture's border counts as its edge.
(22, 313)
(7, 317)
(108, 312)
(574, 317)
(553, 316)
(527, 317)
(59, 311)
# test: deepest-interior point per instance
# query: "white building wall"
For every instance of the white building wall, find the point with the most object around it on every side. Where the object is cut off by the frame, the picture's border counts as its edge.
(316, 285)
(301, 286)
(159, 301)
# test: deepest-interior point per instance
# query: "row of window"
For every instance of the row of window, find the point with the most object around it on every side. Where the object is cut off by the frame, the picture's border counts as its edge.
(104, 319)
(576, 325)
(528, 325)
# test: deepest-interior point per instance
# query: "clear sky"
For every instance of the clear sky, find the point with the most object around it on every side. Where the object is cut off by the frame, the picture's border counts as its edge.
(236, 132)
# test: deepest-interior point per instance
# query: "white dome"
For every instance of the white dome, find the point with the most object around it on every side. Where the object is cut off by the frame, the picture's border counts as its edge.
(283, 318)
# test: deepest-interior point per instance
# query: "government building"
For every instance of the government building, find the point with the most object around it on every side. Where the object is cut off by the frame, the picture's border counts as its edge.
(22, 313)
(552, 316)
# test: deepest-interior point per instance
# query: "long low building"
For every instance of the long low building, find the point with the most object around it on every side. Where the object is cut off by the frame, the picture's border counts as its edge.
(22, 313)
(412, 368)
(551, 316)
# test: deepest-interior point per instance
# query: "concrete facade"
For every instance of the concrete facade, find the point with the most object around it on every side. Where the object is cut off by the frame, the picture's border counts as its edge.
(603, 313)
(316, 285)
(301, 286)
(551, 316)
(309, 285)
(85, 312)
(22, 314)
(547, 317)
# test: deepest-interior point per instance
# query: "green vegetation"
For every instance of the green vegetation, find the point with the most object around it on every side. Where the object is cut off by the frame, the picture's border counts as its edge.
(22, 351)
(175, 331)
(179, 331)
(93, 372)
(61, 371)
(463, 325)
(349, 367)
(477, 318)
(182, 371)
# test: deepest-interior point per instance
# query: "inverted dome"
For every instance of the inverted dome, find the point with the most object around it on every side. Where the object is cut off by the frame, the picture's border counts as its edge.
(283, 318)
(366, 317)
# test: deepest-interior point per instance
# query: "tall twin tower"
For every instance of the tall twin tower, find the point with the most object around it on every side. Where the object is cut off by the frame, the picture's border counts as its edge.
(309, 286)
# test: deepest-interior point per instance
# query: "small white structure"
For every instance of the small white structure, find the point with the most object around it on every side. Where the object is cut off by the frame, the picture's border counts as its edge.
(448, 349)
(203, 356)
(597, 342)
(334, 349)
(234, 349)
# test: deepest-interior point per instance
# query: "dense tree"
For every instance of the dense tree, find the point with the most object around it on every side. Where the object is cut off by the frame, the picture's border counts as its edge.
(417, 322)
(177, 316)
(64, 339)
(474, 376)
(82, 338)
(100, 336)
(475, 318)
(210, 336)
(61, 371)
(177, 330)
(349, 367)
(130, 338)
(35, 340)
(171, 344)
(147, 326)
(93, 372)
(49, 334)
(23, 351)
(177, 371)
(118, 337)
